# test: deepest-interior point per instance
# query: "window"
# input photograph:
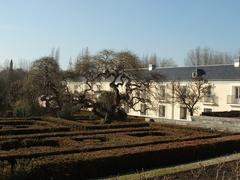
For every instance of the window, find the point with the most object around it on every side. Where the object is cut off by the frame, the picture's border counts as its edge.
(209, 91)
(98, 87)
(237, 92)
(207, 110)
(75, 87)
(183, 113)
(162, 92)
(86, 86)
(126, 108)
(144, 94)
(138, 93)
(161, 111)
(184, 91)
(143, 109)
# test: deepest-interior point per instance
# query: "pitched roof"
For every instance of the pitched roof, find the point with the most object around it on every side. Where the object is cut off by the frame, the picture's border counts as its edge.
(212, 72)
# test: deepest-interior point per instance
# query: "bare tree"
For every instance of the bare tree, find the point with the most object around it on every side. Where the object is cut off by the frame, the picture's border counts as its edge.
(207, 56)
(190, 93)
(121, 71)
(55, 54)
(158, 62)
(45, 82)
(86, 71)
(166, 62)
(24, 64)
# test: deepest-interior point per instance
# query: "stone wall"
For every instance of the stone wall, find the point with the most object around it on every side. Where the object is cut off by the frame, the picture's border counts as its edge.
(206, 122)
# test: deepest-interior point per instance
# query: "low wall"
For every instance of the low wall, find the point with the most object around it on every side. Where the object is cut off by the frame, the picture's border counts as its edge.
(205, 122)
(212, 118)
(168, 121)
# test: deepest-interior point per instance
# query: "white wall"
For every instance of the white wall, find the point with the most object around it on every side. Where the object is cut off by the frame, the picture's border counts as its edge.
(221, 89)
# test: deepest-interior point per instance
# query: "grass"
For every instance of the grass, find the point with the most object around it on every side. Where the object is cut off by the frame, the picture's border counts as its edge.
(160, 172)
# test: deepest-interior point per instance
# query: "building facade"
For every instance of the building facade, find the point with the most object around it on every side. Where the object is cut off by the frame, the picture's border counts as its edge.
(223, 93)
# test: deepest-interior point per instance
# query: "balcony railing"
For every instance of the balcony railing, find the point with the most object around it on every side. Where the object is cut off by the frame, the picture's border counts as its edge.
(233, 100)
(210, 99)
(164, 98)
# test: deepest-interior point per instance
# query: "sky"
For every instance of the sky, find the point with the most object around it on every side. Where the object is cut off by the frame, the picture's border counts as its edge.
(30, 29)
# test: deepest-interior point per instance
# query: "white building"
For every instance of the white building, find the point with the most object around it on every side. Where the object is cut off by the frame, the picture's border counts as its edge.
(224, 94)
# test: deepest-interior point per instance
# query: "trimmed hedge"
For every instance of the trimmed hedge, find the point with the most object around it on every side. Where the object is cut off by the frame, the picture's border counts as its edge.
(222, 114)
(15, 144)
(96, 137)
(71, 150)
(17, 122)
(40, 135)
(99, 157)
(113, 162)
(32, 130)
(146, 133)
(60, 121)
(19, 118)
(120, 125)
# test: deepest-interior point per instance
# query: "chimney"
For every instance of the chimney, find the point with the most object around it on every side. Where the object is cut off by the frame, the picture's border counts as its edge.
(151, 67)
(237, 62)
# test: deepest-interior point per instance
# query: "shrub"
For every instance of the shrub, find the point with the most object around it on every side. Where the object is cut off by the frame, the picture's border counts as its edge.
(68, 110)
(22, 109)
(108, 109)
(120, 115)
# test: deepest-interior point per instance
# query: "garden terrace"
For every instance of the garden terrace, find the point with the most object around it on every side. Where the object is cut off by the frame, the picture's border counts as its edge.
(91, 148)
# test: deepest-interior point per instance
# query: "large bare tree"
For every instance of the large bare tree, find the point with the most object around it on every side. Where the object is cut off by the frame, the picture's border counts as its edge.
(121, 71)
(191, 93)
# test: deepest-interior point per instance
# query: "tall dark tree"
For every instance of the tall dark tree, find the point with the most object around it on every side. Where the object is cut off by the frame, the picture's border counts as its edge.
(11, 86)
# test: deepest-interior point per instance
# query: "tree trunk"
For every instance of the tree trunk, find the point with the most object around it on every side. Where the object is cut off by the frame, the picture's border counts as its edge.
(191, 112)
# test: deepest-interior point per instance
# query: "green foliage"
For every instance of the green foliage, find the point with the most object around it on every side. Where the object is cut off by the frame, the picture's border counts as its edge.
(23, 108)
(67, 111)
(106, 100)
(120, 115)
(108, 109)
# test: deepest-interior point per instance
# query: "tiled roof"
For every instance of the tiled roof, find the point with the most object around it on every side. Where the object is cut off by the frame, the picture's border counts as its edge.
(212, 72)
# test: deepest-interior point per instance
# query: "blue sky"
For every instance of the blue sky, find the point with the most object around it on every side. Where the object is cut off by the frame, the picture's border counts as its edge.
(29, 29)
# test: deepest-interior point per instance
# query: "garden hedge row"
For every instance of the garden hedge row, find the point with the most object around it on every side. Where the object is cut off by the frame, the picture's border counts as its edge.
(73, 133)
(124, 146)
(222, 114)
(32, 130)
(15, 144)
(117, 161)
(112, 126)
(17, 122)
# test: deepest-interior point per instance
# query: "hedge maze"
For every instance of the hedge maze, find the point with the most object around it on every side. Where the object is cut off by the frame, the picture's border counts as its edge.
(57, 148)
